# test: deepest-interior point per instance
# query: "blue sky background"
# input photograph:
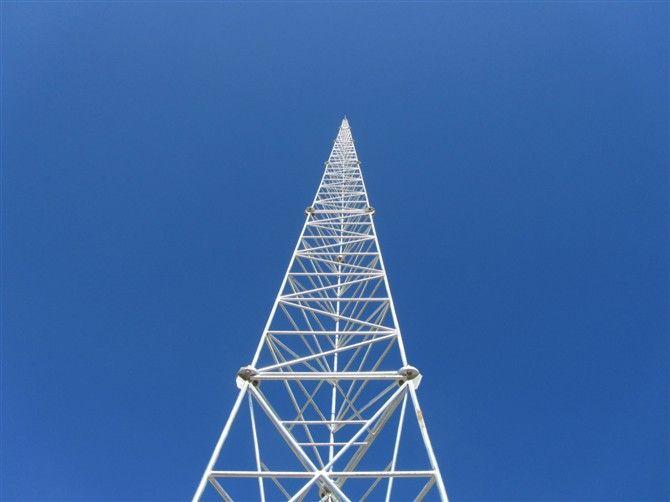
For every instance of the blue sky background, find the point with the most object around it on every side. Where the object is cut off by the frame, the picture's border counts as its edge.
(156, 161)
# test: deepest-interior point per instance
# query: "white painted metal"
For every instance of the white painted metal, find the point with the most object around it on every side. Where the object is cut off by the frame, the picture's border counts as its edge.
(330, 370)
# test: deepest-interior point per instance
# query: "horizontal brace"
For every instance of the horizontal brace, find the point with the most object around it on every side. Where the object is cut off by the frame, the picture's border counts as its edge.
(382, 474)
(333, 299)
(328, 375)
(337, 443)
(340, 226)
(332, 333)
(350, 212)
(347, 182)
(345, 176)
(345, 211)
(333, 216)
(334, 224)
(330, 474)
(323, 422)
(344, 274)
(352, 197)
(339, 237)
(306, 252)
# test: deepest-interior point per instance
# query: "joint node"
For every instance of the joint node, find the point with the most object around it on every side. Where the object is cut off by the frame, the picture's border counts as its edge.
(309, 210)
(247, 374)
(409, 374)
(340, 258)
(370, 210)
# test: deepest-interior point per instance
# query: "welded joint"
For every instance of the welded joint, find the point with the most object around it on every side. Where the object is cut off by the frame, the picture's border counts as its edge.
(247, 374)
(410, 374)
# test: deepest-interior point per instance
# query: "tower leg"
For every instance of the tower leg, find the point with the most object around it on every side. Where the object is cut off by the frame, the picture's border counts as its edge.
(219, 444)
(429, 447)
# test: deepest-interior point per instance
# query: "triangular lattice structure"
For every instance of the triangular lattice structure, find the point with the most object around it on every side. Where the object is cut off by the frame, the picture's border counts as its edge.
(322, 409)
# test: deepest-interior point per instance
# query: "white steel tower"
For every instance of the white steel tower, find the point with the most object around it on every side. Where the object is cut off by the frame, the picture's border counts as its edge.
(321, 408)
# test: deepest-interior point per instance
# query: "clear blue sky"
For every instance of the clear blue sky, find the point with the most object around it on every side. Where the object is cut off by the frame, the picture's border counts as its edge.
(156, 161)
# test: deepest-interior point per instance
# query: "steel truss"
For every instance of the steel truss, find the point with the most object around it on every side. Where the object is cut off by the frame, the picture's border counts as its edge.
(330, 373)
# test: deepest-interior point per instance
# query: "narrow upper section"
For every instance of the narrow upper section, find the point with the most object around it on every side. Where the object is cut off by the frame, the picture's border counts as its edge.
(344, 140)
(342, 185)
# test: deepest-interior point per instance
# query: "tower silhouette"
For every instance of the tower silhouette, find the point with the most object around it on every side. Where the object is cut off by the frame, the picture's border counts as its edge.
(321, 412)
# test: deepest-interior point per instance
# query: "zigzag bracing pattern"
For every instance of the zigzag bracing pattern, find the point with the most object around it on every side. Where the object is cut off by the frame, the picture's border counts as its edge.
(330, 372)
